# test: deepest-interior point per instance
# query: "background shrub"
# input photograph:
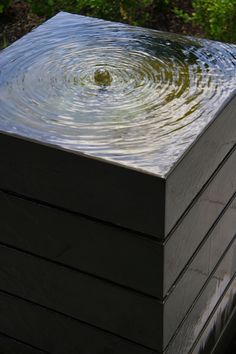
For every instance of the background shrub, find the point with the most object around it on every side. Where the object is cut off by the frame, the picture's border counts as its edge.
(131, 11)
(217, 18)
(4, 4)
(136, 12)
(48, 8)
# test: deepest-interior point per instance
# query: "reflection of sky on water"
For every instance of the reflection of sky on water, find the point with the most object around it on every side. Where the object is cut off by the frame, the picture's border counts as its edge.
(165, 89)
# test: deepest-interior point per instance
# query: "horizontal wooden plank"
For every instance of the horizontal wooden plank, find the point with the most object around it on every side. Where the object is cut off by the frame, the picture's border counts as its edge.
(108, 252)
(203, 307)
(198, 164)
(10, 345)
(93, 301)
(139, 201)
(84, 185)
(61, 335)
(128, 314)
(220, 327)
(56, 333)
(198, 270)
(190, 232)
(196, 273)
(113, 253)
(226, 342)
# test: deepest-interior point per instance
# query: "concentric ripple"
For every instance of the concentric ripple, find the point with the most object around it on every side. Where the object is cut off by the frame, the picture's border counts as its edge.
(131, 95)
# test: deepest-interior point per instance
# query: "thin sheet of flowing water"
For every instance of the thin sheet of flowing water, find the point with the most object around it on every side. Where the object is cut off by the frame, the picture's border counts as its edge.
(134, 96)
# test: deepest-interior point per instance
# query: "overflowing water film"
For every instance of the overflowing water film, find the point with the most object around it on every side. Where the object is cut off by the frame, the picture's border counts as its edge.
(135, 96)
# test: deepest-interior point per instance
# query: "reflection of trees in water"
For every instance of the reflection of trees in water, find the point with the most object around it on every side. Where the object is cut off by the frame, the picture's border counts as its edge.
(164, 88)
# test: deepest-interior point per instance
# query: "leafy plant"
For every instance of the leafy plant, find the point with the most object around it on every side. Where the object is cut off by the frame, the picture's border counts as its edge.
(131, 11)
(216, 17)
(48, 8)
(4, 4)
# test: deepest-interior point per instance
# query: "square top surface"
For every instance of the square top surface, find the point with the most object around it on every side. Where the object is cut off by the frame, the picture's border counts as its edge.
(133, 96)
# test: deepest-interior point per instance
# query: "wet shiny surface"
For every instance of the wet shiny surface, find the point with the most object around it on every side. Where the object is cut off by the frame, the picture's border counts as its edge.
(216, 324)
(134, 96)
(202, 309)
(199, 269)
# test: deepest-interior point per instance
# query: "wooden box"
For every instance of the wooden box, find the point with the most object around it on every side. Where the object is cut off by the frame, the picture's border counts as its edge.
(117, 192)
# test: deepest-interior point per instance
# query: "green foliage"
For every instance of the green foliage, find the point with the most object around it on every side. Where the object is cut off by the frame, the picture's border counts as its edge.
(4, 4)
(182, 14)
(131, 11)
(48, 8)
(216, 17)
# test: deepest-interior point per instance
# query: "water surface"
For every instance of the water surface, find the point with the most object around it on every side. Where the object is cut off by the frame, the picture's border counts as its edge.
(135, 96)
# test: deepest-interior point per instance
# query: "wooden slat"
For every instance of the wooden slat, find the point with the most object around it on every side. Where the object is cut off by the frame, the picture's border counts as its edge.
(185, 290)
(220, 329)
(201, 311)
(58, 334)
(201, 160)
(12, 346)
(113, 253)
(127, 314)
(189, 233)
(198, 270)
(115, 194)
(81, 184)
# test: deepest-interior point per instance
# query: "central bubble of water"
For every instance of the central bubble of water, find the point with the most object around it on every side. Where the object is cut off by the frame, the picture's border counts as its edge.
(129, 95)
(102, 77)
